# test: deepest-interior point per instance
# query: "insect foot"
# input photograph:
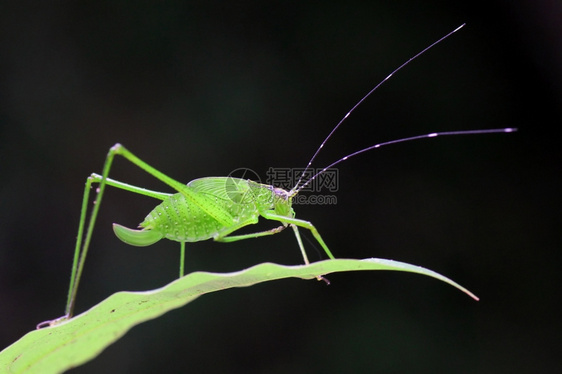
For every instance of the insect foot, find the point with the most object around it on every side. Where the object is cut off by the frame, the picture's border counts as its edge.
(52, 322)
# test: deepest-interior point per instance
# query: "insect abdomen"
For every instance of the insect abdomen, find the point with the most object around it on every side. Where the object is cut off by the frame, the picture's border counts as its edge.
(178, 220)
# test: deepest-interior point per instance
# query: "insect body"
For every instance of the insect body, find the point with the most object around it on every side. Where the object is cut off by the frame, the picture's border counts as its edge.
(213, 207)
(206, 209)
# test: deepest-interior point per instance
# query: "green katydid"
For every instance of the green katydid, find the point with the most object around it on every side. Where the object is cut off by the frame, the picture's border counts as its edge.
(212, 207)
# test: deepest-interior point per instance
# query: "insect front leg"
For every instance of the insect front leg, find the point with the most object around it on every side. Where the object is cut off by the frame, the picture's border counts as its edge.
(301, 223)
(304, 256)
(295, 223)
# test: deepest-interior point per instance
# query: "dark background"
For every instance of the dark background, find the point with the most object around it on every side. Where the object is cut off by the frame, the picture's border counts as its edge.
(200, 90)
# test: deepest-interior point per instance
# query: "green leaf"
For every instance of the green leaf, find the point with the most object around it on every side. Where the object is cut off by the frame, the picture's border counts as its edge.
(80, 339)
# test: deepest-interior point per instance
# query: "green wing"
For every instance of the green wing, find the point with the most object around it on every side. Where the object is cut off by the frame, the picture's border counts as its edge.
(209, 195)
(230, 190)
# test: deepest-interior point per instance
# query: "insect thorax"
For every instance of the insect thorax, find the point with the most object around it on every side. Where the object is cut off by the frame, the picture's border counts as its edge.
(273, 198)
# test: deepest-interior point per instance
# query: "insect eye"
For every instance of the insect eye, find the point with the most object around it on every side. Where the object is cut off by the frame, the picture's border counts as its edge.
(281, 193)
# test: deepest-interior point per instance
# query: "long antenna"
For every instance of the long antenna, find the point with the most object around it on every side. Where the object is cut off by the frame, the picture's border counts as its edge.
(297, 188)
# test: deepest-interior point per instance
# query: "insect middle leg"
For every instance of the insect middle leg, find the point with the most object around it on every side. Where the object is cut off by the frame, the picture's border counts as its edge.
(227, 239)
(294, 223)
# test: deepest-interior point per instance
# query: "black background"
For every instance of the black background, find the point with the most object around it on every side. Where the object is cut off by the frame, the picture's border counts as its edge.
(200, 89)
